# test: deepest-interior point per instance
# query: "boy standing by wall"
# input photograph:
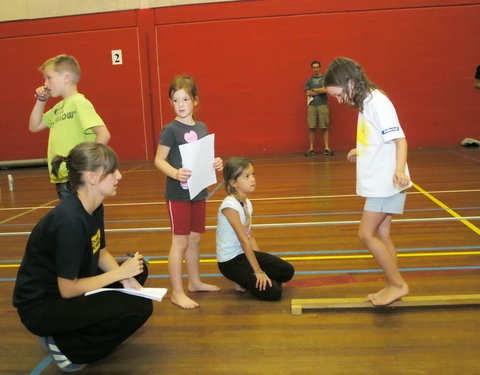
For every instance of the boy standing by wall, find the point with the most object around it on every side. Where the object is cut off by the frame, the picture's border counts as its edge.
(71, 121)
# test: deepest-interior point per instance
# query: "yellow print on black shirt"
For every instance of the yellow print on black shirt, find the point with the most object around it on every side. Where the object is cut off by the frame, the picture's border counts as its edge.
(96, 242)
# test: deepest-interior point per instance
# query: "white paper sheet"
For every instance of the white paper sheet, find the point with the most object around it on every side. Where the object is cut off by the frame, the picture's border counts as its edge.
(198, 156)
(153, 293)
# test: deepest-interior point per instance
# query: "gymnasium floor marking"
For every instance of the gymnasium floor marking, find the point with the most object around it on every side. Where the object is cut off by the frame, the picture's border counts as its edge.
(214, 190)
(271, 225)
(308, 253)
(348, 278)
(152, 203)
(16, 263)
(27, 212)
(266, 216)
(44, 363)
(328, 272)
(41, 366)
(332, 257)
(450, 211)
(465, 155)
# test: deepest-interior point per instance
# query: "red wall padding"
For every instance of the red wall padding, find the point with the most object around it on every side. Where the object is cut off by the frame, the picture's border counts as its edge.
(115, 91)
(251, 60)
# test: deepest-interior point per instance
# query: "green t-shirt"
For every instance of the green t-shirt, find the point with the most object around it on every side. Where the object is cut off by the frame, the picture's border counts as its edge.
(70, 121)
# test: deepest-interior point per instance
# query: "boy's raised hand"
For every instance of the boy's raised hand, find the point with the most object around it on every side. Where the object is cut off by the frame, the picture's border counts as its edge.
(42, 93)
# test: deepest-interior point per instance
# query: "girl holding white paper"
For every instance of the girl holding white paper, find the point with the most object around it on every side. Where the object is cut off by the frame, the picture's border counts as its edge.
(187, 215)
(66, 257)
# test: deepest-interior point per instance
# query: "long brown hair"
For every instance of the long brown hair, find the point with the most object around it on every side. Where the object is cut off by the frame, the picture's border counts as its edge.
(342, 71)
(232, 169)
(86, 157)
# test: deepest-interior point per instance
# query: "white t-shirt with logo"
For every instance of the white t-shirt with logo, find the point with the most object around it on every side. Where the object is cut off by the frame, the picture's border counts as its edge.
(377, 128)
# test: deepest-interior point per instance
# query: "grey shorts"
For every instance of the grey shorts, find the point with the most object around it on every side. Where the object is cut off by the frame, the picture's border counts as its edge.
(391, 205)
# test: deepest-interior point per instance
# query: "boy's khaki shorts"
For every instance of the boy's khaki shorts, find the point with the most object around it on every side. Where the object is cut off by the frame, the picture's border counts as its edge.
(318, 114)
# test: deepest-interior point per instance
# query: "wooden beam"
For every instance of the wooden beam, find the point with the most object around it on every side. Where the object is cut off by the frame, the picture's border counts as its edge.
(298, 305)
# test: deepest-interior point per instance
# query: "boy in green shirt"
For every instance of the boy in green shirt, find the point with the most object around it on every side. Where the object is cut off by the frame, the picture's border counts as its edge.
(71, 121)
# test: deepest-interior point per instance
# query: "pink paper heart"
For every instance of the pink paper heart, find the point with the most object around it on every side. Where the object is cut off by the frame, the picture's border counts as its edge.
(191, 136)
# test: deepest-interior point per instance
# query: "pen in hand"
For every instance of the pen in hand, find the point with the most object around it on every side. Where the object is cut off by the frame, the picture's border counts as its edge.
(132, 255)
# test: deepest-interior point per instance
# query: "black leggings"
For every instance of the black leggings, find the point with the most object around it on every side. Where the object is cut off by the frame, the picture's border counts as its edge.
(240, 271)
(88, 328)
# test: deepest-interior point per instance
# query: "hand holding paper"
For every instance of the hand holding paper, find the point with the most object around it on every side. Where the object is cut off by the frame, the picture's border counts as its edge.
(184, 174)
(198, 156)
(218, 164)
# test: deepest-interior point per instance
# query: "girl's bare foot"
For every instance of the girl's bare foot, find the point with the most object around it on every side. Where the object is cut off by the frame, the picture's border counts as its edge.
(239, 288)
(390, 294)
(202, 287)
(371, 296)
(182, 300)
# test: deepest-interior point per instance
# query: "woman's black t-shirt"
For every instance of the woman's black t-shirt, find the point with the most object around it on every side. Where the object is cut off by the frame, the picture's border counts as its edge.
(65, 243)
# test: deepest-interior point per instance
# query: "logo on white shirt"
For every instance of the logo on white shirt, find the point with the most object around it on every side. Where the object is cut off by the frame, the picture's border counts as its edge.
(389, 130)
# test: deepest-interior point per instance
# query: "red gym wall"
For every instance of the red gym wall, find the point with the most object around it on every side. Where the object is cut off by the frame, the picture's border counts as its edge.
(251, 60)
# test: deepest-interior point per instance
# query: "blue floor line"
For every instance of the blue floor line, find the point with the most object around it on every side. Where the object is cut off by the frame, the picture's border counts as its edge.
(214, 190)
(333, 272)
(41, 366)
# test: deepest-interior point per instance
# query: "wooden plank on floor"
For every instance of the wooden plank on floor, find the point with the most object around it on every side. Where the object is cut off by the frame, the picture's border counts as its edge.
(298, 305)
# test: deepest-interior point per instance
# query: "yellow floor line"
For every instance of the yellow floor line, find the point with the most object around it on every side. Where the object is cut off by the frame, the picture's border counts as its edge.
(26, 212)
(330, 257)
(449, 210)
(321, 257)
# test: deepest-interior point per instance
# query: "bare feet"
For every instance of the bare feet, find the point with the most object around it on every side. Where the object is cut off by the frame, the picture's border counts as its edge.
(371, 296)
(182, 300)
(202, 287)
(239, 288)
(389, 294)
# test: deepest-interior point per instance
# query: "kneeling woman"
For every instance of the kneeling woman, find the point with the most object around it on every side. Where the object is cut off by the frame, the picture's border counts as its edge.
(237, 251)
(66, 257)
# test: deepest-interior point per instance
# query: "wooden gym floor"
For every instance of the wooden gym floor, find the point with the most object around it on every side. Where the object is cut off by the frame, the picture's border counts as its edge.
(306, 211)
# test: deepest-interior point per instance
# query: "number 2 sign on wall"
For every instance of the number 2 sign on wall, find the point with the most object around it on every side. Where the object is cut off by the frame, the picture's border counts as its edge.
(117, 57)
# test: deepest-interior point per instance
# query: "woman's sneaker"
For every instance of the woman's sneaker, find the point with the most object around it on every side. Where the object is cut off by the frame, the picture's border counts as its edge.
(62, 362)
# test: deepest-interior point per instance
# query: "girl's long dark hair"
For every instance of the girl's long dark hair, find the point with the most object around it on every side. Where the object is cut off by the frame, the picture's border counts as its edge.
(232, 169)
(343, 70)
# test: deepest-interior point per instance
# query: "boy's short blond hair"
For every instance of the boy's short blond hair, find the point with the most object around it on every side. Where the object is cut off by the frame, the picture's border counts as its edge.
(64, 63)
